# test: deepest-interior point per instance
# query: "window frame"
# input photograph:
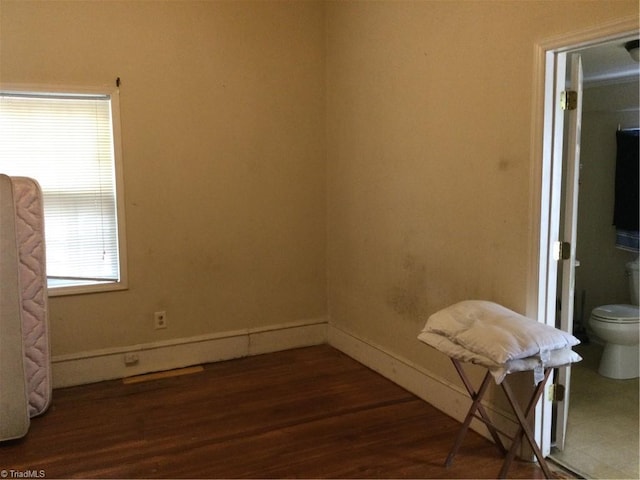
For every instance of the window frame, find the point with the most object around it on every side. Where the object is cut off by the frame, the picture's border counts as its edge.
(113, 92)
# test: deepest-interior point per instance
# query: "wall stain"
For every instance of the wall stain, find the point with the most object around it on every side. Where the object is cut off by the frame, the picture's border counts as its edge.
(504, 164)
(407, 297)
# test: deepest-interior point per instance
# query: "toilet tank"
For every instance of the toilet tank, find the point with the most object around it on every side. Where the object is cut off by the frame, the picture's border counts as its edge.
(634, 286)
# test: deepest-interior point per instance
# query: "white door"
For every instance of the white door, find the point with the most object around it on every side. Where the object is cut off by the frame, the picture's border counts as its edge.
(563, 171)
(551, 68)
(570, 218)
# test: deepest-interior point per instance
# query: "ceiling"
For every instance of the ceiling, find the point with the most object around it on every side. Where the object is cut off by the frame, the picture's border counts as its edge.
(608, 62)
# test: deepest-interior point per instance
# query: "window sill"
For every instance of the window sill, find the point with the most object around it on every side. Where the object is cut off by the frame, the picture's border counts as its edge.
(80, 289)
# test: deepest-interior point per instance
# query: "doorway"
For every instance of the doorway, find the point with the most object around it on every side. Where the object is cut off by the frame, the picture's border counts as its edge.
(601, 433)
(554, 293)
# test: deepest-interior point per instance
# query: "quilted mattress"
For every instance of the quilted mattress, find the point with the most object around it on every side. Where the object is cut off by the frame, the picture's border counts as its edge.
(27, 197)
(14, 414)
(25, 372)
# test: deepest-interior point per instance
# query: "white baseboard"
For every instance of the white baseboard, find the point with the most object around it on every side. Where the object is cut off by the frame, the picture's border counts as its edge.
(446, 397)
(109, 364)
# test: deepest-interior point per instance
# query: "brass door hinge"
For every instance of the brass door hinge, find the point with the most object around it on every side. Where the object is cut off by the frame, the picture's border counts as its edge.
(569, 100)
(556, 392)
(562, 251)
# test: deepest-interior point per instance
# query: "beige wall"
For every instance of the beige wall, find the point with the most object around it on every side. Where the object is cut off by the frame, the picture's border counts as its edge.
(420, 112)
(223, 136)
(429, 122)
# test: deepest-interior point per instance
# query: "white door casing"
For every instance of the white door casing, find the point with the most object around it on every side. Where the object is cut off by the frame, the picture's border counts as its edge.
(546, 178)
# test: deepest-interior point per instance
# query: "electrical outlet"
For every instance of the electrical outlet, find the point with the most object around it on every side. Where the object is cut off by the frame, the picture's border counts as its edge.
(131, 359)
(160, 320)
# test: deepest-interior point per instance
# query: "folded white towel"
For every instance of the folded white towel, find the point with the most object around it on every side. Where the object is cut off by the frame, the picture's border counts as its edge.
(497, 333)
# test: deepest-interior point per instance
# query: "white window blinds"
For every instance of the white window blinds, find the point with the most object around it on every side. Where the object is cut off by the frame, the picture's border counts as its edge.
(65, 142)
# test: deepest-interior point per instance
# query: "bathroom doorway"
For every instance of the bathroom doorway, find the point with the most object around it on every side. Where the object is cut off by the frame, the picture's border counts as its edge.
(600, 435)
(555, 295)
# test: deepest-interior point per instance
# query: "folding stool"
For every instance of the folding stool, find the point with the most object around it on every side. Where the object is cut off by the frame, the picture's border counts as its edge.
(524, 430)
(503, 341)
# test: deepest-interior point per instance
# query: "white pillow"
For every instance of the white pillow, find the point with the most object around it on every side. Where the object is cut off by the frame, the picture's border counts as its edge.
(557, 358)
(497, 333)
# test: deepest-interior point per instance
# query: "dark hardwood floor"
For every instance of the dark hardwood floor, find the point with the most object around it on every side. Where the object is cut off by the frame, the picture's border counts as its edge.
(305, 413)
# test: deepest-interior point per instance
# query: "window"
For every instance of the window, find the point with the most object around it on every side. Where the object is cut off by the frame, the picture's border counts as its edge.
(69, 142)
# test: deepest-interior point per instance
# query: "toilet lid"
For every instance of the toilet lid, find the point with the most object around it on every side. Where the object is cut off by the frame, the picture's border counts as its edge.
(617, 313)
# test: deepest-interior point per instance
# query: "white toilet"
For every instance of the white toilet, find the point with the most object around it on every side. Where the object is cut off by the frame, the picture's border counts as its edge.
(619, 327)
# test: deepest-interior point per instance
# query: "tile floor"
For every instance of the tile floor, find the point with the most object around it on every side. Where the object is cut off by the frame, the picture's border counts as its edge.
(602, 431)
